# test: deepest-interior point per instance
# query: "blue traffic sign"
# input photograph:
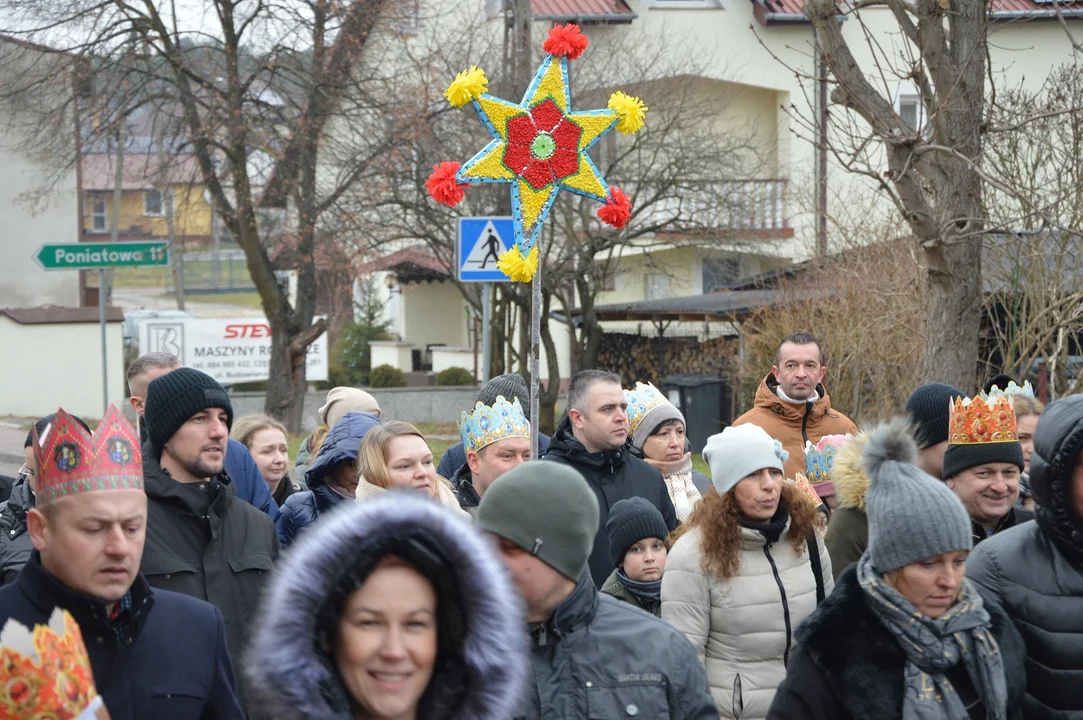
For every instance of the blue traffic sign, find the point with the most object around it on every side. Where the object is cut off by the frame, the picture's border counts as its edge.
(481, 242)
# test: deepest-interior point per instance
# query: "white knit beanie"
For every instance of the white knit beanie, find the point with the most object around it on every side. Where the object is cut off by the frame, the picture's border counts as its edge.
(737, 452)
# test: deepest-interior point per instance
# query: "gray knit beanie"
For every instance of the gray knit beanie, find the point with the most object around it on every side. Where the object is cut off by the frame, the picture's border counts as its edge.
(545, 508)
(511, 386)
(738, 451)
(912, 516)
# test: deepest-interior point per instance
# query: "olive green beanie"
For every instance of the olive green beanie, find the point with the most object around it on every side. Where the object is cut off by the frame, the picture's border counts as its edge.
(545, 508)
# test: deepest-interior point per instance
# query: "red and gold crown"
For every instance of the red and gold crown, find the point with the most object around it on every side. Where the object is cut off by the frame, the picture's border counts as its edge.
(977, 421)
(45, 673)
(71, 461)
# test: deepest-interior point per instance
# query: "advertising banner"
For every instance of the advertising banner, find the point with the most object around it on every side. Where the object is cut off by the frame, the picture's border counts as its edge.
(229, 350)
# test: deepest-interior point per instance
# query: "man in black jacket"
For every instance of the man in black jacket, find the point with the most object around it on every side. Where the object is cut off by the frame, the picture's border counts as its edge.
(201, 540)
(592, 439)
(983, 464)
(592, 656)
(1035, 570)
(154, 654)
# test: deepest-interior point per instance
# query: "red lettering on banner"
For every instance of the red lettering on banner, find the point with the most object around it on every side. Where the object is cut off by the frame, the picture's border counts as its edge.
(247, 330)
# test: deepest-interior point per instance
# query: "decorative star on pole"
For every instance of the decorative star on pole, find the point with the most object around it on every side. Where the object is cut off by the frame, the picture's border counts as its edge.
(539, 146)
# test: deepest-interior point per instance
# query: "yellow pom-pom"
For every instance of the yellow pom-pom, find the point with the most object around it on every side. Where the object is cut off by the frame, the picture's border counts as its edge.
(467, 87)
(514, 265)
(630, 110)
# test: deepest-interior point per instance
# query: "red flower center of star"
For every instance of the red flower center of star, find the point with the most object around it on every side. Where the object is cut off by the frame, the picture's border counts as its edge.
(543, 145)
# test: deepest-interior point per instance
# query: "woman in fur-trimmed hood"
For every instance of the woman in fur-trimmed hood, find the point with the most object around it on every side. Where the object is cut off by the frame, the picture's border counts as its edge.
(339, 639)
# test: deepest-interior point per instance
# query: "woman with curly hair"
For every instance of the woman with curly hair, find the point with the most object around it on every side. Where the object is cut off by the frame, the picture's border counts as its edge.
(740, 577)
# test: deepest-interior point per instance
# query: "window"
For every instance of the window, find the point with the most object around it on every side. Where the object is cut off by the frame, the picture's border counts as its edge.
(98, 217)
(657, 286)
(152, 203)
(910, 110)
(720, 273)
(409, 17)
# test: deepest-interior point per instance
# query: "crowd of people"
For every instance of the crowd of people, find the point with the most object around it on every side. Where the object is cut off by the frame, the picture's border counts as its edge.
(928, 568)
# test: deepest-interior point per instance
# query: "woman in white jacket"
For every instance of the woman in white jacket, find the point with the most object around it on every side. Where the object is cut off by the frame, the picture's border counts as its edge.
(741, 577)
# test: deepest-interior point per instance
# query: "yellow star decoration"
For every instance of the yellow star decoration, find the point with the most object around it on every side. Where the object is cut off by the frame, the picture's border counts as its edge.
(539, 146)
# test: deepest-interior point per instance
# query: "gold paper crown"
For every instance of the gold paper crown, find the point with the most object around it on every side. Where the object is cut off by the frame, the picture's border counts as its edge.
(641, 401)
(487, 424)
(977, 422)
(46, 673)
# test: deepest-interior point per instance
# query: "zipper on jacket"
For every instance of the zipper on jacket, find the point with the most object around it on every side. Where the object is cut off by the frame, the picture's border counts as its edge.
(804, 422)
(785, 602)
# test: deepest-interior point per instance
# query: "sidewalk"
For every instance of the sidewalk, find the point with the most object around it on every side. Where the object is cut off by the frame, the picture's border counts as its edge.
(12, 437)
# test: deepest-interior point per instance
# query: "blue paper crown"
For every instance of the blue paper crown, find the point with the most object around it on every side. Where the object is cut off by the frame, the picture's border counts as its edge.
(487, 424)
(1010, 391)
(641, 401)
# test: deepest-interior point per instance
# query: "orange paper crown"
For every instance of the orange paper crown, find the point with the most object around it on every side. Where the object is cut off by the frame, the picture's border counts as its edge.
(45, 673)
(978, 421)
(72, 461)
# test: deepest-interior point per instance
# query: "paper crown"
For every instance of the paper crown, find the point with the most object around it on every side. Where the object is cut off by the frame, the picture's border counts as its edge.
(1010, 391)
(45, 673)
(820, 458)
(977, 421)
(807, 490)
(71, 461)
(641, 401)
(487, 424)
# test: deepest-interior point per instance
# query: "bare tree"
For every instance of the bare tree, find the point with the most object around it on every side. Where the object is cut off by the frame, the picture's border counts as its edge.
(931, 170)
(1035, 272)
(256, 86)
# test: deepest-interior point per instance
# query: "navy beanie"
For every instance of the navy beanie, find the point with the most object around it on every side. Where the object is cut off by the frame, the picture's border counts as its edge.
(929, 408)
(177, 396)
(630, 521)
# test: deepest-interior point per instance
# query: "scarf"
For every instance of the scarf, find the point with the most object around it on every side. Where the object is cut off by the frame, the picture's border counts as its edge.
(934, 646)
(648, 593)
(678, 477)
(813, 398)
(773, 529)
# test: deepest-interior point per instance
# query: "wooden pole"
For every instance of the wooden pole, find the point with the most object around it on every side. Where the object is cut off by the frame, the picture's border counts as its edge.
(535, 363)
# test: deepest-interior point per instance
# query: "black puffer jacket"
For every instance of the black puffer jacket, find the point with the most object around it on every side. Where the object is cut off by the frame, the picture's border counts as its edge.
(848, 666)
(613, 475)
(598, 657)
(224, 558)
(15, 544)
(462, 482)
(1035, 570)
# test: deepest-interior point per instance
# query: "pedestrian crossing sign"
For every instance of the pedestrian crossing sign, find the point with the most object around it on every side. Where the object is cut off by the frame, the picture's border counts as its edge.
(481, 242)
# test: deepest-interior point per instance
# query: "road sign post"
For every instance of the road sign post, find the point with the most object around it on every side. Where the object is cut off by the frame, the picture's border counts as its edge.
(481, 242)
(95, 256)
(99, 256)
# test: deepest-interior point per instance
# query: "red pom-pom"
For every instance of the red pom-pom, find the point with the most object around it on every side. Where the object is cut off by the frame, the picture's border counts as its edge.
(618, 210)
(565, 40)
(442, 186)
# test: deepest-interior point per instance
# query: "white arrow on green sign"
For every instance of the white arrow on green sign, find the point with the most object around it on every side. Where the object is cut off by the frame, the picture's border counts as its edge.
(94, 256)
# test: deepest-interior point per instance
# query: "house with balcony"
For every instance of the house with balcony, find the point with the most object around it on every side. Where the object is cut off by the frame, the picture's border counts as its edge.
(754, 64)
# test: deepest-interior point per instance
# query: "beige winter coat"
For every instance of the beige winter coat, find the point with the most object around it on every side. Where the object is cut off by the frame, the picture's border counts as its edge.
(743, 627)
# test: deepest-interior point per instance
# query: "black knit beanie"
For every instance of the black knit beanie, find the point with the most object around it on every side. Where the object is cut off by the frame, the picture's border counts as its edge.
(511, 386)
(177, 396)
(629, 522)
(963, 457)
(929, 408)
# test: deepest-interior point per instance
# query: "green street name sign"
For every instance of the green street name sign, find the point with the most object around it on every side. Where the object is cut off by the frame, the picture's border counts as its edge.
(92, 256)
